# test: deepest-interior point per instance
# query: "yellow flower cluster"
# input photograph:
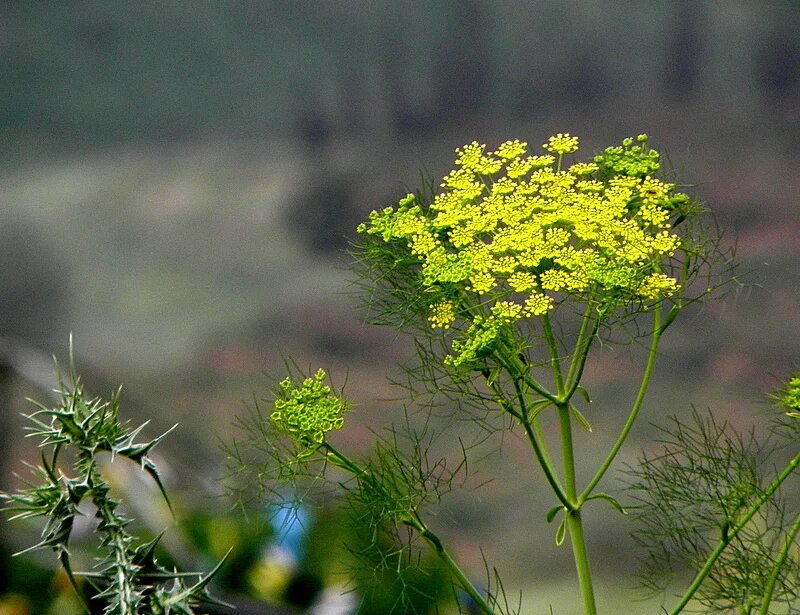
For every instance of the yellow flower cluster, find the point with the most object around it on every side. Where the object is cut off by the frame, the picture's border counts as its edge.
(514, 242)
(561, 144)
(308, 411)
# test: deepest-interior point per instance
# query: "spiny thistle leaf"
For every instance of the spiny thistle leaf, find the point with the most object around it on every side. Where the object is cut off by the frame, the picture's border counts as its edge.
(128, 579)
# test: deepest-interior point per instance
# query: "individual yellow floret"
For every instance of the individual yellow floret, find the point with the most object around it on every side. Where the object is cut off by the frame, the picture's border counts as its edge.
(511, 149)
(469, 155)
(460, 236)
(460, 179)
(562, 143)
(657, 285)
(651, 213)
(519, 167)
(522, 281)
(537, 304)
(539, 162)
(589, 185)
(408, 222)
(553, 279)
(488, 165)
(583, 168)
(442, 315)
(505, 264)
(481, 282)
(424, 244)
(556, 237)
(507, 310)
(654, 190)
(665, 243)
(503, 186)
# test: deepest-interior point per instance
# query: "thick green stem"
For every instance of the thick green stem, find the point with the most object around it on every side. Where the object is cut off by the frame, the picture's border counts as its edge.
(567, 452)
(721, 546)
(581, 557)
(658, 329)
(574, 523)
(766, 599)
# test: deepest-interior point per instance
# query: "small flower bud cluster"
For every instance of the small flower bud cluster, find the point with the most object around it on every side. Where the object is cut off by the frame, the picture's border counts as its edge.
(309, 411)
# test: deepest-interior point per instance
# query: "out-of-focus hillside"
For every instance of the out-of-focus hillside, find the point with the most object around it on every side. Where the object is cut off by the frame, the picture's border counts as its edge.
(178, 180)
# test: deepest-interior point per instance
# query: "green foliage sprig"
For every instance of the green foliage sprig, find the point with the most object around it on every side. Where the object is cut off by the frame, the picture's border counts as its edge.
(385, 493)
(704, 496)
(128, 579)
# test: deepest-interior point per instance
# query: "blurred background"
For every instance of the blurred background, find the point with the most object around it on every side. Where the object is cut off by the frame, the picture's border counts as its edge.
(179, 180)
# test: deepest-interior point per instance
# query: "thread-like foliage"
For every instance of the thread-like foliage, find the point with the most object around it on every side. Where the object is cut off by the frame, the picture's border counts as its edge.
(697, 494)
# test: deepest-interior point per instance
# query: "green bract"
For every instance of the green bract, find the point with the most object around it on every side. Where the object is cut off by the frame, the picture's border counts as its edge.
(510, 235)
(308, 411)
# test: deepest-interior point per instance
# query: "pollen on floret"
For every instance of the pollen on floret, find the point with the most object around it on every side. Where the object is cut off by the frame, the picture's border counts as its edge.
(507, 310)
(481, 282)
(553, 279)
(583, 168)
(488, 165)
(522, 281)
(469, 155)
(537, 304)
(442, 315)
(562, 143)
(511, 149)
(657, 285)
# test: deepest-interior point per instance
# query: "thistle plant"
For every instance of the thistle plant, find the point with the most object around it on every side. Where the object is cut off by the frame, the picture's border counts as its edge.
(127, 579)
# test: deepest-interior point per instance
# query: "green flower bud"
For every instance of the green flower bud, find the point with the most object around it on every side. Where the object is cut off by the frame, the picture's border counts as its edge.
(308, 411)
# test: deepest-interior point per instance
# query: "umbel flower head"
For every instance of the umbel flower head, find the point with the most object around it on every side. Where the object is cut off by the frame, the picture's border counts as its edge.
(308, 411)
(510, 235)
